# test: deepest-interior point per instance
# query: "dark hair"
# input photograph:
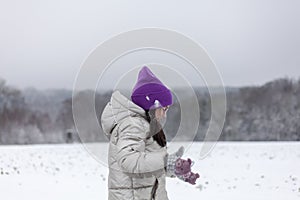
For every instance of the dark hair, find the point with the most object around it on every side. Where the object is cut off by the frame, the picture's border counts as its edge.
(159, 136)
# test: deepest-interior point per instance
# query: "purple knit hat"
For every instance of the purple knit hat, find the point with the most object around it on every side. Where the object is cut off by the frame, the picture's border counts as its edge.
(148, 89)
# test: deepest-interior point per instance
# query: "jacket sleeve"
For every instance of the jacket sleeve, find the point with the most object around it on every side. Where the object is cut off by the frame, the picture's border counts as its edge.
(131, 155)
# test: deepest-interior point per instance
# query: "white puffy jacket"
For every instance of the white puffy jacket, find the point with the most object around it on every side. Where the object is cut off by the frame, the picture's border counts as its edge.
(136, 161)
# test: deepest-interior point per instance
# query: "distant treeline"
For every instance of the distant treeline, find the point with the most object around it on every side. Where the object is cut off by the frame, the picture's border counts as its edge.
(270, 112)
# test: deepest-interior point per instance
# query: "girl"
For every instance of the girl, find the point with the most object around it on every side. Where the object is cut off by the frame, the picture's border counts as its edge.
(138, 160)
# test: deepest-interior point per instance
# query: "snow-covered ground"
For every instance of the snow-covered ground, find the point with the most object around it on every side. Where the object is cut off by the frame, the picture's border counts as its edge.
(233, 170)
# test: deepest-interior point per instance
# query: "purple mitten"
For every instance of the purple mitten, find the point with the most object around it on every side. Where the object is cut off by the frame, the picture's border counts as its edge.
(192, 178)
(182, 166)
(189, 177)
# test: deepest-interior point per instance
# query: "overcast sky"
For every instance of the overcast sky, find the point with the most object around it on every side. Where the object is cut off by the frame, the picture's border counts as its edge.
(43, 43)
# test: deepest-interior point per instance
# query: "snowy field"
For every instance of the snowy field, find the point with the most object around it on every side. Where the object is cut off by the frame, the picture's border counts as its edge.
(232, 171)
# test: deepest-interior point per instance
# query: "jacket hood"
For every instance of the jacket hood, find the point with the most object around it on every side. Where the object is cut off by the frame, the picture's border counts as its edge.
(117, 109)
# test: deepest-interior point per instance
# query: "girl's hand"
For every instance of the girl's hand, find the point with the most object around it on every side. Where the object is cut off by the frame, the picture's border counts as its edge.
(171, 159)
